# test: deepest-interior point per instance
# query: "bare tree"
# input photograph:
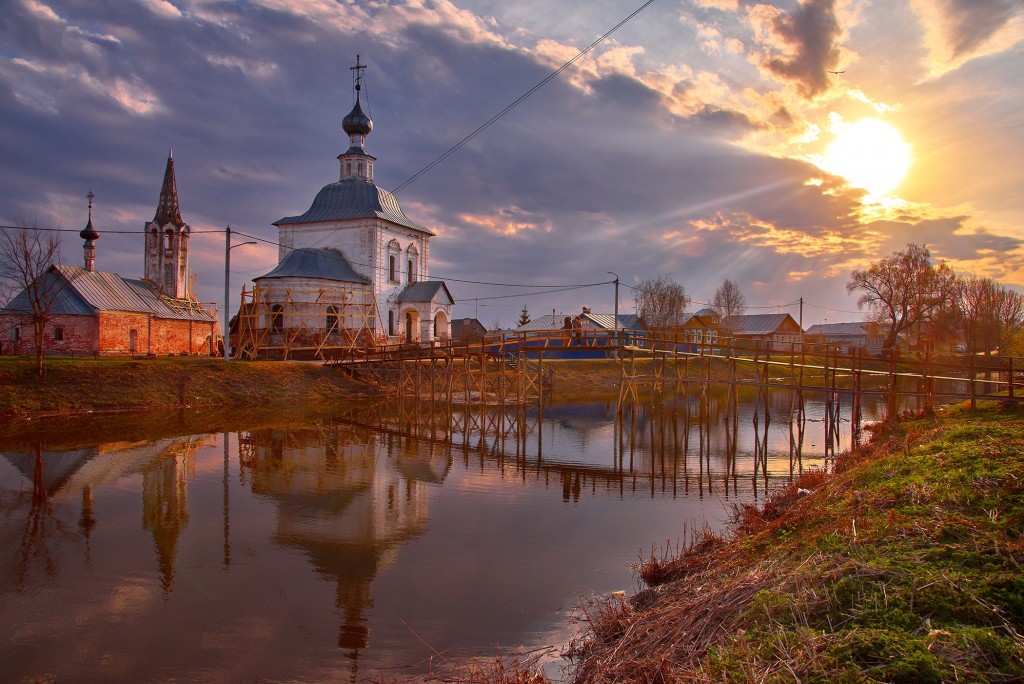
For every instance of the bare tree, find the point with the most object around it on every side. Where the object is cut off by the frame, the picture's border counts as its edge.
(991, 314)
(901, 290)
(27, 285)
(728, 300)
(661, 303)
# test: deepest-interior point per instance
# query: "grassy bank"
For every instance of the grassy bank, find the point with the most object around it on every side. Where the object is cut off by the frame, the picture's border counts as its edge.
(74, 386)
(904, 566)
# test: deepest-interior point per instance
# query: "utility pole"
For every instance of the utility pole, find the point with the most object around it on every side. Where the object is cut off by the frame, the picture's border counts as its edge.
(227, 287)
(616, 281)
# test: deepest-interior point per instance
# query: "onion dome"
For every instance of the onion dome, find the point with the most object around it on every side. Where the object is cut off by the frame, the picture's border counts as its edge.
(89, 233)
(356, 122)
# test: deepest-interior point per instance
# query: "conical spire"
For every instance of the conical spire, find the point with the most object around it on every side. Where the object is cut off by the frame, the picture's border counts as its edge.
(167, 210)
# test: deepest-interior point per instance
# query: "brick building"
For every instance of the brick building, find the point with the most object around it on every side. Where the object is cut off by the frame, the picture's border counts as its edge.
(99, 313)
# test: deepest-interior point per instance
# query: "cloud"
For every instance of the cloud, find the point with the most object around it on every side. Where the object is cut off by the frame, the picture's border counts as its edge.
(799, 47)
(958, 31)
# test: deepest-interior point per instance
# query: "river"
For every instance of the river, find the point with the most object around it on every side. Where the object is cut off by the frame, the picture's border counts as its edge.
(357, 542)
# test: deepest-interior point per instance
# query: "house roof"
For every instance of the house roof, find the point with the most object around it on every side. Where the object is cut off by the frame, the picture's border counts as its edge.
(353, 199)
(89, 292)
(756, 324)
(426, 291)
(590, 320)
(327, 263)
(839, 329)
(607, 321)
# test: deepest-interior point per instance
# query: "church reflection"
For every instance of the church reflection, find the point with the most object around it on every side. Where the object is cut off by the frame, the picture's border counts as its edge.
(60, 478)
(349, 497)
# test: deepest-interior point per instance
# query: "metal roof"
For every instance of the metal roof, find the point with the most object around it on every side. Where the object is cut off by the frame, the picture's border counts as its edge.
(590, 320)
(326, 263)
(607, 321)
(425, 291)
(353, 199)
(756, 324)
(839, 329)
(87, 293)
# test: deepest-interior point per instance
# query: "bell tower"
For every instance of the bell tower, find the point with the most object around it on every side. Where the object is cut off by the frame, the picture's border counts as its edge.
(167, 241)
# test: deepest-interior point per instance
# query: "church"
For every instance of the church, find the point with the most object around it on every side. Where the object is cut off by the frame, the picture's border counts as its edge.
(95, 313)
(353, 270)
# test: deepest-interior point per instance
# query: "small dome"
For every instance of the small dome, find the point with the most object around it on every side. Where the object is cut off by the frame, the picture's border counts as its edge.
(356, 122)
(89, 233)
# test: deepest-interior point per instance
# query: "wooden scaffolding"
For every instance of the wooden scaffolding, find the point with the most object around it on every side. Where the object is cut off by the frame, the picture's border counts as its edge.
(282, 322)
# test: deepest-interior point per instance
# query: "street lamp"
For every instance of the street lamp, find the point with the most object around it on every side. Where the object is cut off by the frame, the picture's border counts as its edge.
(616, 305)
(227, 287)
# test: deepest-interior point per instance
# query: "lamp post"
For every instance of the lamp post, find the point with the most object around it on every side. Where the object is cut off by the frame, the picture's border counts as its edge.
(227, 287)
(616, 306)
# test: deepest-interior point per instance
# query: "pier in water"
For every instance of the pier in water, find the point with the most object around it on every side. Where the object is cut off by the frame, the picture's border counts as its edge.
(336, 544)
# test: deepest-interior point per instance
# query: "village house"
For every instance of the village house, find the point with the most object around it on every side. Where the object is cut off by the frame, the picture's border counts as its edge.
(774, 332)
(100, 313)
(353, 270)
(848, 337)
(466, 330)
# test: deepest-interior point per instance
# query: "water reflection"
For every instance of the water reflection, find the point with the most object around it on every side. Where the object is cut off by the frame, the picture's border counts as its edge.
(361, 539)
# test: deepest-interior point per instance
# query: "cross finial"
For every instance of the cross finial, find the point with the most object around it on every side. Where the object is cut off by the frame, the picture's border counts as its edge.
(357, 74)
(90, 195)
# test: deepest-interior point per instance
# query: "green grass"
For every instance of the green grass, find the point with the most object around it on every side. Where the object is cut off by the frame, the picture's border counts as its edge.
(905, 566)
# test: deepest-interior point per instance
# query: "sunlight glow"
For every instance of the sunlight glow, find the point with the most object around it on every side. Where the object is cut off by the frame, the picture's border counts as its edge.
(870, 154)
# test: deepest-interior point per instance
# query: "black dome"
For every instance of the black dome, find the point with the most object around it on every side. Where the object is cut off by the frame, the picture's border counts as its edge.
(357, 122)
(89, 233)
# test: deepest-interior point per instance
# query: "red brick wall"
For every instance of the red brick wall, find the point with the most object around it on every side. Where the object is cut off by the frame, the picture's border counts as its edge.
(109, 333)
(79, 333)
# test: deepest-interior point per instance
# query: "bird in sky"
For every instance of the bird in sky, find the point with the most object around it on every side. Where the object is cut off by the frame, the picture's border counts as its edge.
(838, 72)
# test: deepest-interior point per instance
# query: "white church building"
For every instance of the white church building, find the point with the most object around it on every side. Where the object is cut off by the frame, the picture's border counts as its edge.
(353, 270)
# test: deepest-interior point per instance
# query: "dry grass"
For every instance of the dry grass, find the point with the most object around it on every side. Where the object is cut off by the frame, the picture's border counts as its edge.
(901, 567)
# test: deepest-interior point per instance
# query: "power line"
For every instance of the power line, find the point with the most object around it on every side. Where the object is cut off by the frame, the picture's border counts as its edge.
(114, 232)
(454, 280)
(515, 103)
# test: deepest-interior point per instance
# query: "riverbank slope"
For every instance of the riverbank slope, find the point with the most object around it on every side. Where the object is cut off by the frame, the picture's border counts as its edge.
(76, 386)
(904, 566)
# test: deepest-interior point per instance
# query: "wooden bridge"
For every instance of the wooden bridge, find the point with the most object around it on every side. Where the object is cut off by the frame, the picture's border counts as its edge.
(511, 369)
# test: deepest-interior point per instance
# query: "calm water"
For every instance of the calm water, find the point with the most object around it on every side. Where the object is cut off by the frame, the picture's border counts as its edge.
(354, 540)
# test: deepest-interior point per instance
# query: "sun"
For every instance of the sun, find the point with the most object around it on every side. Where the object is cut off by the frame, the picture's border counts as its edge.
(870, 154)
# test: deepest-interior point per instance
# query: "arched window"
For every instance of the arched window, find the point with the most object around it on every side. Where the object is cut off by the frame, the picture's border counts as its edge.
(392, 269)
(412, 273)
(168, 239)
(391, 323)
(331, 322)
(277, 318)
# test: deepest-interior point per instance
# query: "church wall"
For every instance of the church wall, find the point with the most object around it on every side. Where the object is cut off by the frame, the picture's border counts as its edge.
(110, 333)
(153, 335)
(78, 332)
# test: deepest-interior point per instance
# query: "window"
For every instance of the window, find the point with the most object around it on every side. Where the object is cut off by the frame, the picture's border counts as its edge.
(133, 341)
(58, 334)
(277, 318)
(348, 169)
(331, 323)
(412, 274)
(14, 335)
(359, 169)
(391, 323)
(392, 269)
(168, 238)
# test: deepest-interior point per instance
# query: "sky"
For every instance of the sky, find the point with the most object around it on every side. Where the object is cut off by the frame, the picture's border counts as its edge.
(701, 140)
